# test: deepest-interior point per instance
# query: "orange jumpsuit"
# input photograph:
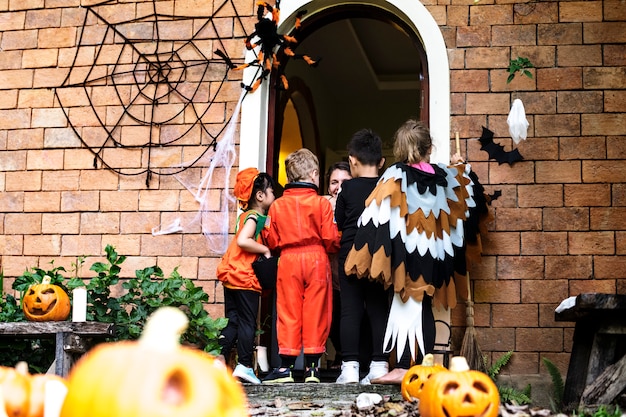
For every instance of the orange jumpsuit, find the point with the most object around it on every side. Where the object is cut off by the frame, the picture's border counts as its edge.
(300, 226)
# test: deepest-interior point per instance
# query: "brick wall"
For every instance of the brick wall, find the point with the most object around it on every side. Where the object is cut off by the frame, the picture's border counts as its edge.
(559, 226)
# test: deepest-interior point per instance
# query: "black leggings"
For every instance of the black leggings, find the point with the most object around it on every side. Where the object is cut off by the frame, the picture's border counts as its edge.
(241, 308)
(359, 296)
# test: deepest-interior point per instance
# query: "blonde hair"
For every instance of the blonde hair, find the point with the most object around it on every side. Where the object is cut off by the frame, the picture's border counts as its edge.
(300, 164)
(412, 142)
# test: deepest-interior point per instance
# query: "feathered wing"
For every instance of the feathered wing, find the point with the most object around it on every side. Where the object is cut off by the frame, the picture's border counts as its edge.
(411, 238)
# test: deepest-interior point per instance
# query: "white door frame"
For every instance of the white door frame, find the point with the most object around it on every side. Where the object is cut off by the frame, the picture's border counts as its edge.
(254, 112)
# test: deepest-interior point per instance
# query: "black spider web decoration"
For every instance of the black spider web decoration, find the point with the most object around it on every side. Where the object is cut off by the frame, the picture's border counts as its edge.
(147, 96)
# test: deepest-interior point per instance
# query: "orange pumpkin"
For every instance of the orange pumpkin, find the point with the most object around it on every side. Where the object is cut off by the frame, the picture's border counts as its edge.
(154, 376)
(22, 392)
(459, 392)
(417, 375)
(46, 302)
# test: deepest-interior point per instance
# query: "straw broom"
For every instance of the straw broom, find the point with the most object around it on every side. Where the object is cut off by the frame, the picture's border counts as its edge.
(469, 347)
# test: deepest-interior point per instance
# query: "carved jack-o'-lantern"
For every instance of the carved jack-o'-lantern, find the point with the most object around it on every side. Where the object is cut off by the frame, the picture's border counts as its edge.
(459, 392)
(416, 377)
(46, 302)
(153, 376)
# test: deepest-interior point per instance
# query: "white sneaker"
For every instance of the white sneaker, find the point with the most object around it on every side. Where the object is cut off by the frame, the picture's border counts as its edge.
(377, 369)
(246, 374)
(349, 373)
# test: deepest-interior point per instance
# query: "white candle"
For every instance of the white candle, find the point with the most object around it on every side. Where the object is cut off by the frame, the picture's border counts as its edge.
(79, 304)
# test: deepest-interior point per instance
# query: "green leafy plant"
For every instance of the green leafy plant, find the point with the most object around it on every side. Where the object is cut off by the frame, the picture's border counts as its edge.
(507, 394)
(520, 65)
(142, 295)
(600, 411)
(558, 387)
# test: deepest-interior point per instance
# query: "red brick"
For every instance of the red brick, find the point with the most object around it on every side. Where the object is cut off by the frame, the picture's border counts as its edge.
(485, 269)
(582, 148)
(619, 195)
(608, 218)
(119, 201)
(41, 201)
(569, 78)
(469, 81)
(489, 15)
(579, 55)
(12, 21)
(559, 34)
(187, 267)
(580, 11)
(8, 99)
(518, 219)
(60, 180)
(603, 171)
(516, 315)
(473, 36)
(517, 267)
(605, 32)
(497, 292)
(127, 244)
(43, 18)
(44, 159)
(14, 266)
(488, 103)
(99, 223)
(158, 200)
(539, 56)
(100, 179)
(591, 243)
(544, 291)
(42, 245)
(458, 15)
(138, 222)
(558, 172)
(544, 243)
(543, 340)
(487, 58)
(19, 40)
(23, 181)
(156, 245)
(587, 195)
(78, 159)
(499, 340)
(604, 77)
(560, 219)
(10, 60)
(536, 13)
(22, 139)
(579, 102)
(17, 79)
(81, 245)
(518, 173)
(195, 245)
(611, 267)
(606, 286)
(614, 101)
(11, 202)
(550, 195)
(79, 201)
(60, 223)
(616, 147)
(558, 125)
(508, 35)
(438, 13)
(569, 267)
(546, 316)
(33, 98)
(49, 77)
(22, 224)
(539, 148)
(614, 55)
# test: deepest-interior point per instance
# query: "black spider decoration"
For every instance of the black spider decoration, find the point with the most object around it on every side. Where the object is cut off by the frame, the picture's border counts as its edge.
(266, 30)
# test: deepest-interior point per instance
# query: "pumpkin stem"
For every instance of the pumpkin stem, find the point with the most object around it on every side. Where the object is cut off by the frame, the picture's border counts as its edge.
(163, 329)
(46, 279)
(21, 368)
(459, 364)
(429, 360)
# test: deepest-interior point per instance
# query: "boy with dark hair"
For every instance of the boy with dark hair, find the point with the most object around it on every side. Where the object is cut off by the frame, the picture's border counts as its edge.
(360, 296)
(300, 226)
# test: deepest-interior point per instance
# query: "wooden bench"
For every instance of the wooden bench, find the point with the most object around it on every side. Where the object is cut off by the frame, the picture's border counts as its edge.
(72, 339)
(597, 366)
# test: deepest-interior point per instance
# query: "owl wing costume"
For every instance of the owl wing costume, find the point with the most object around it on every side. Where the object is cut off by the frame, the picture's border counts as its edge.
(411, 237)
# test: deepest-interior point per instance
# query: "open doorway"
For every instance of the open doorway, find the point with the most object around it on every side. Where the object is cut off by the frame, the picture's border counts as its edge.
(371, 75)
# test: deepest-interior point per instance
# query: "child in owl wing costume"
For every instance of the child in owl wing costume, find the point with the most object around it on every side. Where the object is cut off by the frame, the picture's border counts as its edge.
(411, 236)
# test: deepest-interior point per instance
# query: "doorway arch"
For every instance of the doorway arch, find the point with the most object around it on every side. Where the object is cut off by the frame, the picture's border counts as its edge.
(255, 123)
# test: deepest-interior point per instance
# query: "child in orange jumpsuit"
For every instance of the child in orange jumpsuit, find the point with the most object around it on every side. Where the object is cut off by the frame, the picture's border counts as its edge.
(254, 192)
(300, 226)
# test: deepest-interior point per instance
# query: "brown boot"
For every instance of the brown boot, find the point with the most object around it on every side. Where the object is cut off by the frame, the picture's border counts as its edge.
(392, 378)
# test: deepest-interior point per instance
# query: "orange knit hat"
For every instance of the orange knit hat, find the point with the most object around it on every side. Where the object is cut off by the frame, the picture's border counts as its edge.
(244, 185)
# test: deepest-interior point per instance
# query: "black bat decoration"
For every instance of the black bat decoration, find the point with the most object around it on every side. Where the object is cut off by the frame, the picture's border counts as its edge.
(496, 151)
(494, 196)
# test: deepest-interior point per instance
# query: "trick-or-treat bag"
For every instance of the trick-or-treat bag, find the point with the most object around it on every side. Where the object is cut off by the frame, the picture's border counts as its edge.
(518, 125)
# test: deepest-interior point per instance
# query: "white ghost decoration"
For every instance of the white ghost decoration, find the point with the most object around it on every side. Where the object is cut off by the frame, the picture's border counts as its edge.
(518, 125)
